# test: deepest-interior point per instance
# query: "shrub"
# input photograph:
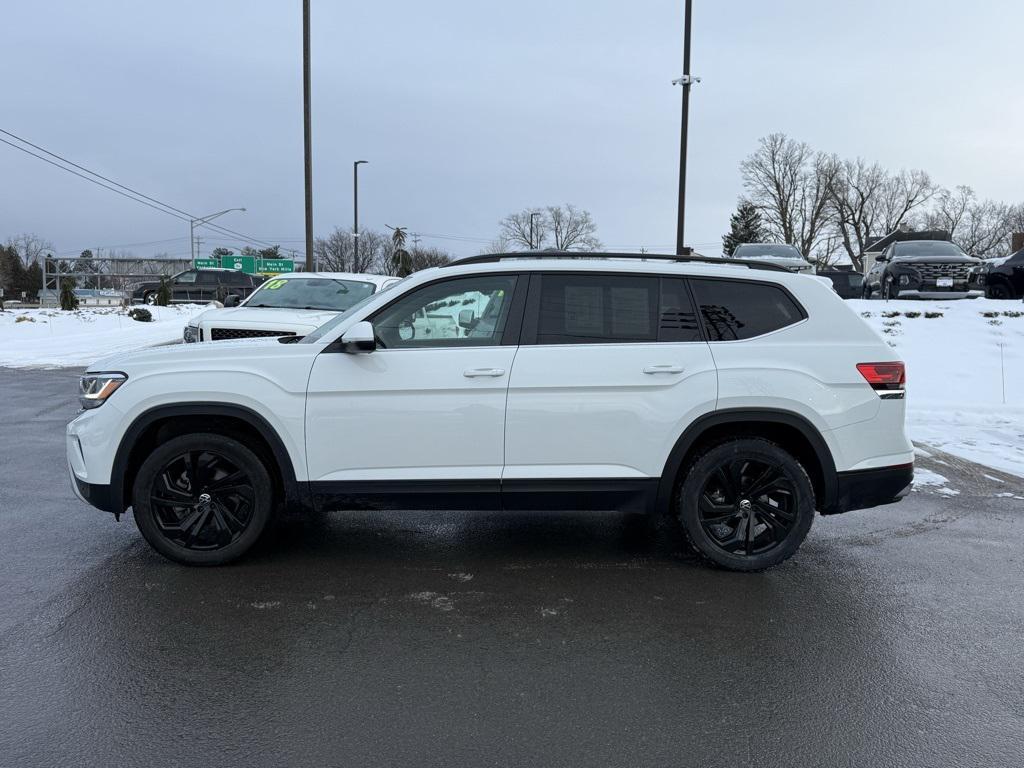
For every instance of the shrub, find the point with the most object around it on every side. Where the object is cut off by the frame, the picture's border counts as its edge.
(932, 315)
(990, 314)
(24, 319)
(1013, 313)
(68, 300)
(163, 293)
(911, 314)
(141, 314)
(891, 313)
(866, 314)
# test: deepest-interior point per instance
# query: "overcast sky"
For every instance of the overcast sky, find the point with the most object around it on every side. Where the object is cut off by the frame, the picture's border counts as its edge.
(470, 110)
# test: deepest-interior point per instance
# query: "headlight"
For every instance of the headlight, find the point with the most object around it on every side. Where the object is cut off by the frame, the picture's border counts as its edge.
(95, 388)
(191, 334)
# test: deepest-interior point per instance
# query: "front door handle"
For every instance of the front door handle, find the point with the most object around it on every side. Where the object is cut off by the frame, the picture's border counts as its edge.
(663, 369)
(472, 373)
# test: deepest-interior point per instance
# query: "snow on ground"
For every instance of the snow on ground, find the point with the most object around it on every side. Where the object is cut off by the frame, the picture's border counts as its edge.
(965, 374)
(50, 338)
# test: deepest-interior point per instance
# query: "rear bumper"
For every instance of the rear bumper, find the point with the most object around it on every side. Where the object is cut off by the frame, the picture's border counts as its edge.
(868, 488)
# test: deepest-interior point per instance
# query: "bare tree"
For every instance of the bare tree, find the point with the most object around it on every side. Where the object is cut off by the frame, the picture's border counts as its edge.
(516, 231)
(422, 258)
(572, 228)
(903, 193)
(981, 228)
(31, 248)
(562, 227)
(791, 185)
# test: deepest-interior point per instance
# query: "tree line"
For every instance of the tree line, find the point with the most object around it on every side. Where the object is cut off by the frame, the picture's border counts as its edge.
(829, 207)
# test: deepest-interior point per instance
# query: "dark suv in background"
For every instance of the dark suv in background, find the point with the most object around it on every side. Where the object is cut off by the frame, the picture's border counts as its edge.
(199, 286)
(921, 269)
(1003, 278)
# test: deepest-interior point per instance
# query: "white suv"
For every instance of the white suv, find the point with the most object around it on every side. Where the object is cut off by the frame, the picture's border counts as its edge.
(735, 396)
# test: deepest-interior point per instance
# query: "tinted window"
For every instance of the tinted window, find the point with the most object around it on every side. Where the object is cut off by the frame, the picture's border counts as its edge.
(595, 309)
(601, 309)
(734, 310)
(468, 311)
(207, 278)
(760, 250)
(185, 277)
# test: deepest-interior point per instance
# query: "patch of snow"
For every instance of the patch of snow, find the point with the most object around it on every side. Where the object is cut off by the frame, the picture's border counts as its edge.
(50, 338)
(927, 477)
(963, 375)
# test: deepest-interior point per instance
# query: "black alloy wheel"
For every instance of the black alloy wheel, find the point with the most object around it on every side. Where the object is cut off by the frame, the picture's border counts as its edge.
(746, 504)
(202, 499)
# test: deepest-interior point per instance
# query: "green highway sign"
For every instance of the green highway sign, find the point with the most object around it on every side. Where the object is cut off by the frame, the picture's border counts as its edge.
(205, 263)
(245, 264)
(276, 265)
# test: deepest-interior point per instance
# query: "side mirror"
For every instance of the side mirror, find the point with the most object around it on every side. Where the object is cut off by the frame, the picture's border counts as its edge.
(359, 338)
(231, 300)
(466, 319)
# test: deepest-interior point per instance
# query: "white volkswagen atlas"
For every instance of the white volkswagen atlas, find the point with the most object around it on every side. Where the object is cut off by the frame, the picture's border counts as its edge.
(735, 396)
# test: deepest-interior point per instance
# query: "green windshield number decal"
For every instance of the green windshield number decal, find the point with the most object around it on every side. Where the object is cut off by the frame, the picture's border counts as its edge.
(273, 285)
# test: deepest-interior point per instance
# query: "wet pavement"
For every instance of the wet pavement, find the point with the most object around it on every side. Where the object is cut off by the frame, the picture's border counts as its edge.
(895, 637)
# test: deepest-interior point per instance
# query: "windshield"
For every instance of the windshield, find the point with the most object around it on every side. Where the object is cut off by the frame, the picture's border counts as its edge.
(926, 248)
(310, 293)
(771, 250)
(327, 327)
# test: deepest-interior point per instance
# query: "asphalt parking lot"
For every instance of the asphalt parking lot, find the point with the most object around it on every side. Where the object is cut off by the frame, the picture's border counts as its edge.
(895, 637)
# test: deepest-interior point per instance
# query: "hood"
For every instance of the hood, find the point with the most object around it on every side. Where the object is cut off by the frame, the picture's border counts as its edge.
(179, 355)
(925, 259)
(793, 265)
(267, 318)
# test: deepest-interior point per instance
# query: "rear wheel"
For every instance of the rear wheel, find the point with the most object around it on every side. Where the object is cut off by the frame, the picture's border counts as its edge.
(150, 298)
(746, 504)
(202, 499)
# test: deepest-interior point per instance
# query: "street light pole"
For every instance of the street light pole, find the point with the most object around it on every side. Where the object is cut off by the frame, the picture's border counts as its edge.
(355, 211)
(307, 137)
(202, 220)
(686, 81)
(532, 247)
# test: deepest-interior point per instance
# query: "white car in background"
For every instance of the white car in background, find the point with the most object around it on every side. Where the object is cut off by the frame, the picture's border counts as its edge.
(286, 305)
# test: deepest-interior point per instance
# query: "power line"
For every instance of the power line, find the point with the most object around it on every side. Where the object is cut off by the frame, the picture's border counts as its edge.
(139, 197)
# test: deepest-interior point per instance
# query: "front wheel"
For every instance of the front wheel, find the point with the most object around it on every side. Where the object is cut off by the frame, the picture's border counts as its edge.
(746, 504)
(202, 499)
(887, 290)
(999, 291)
(150, 298)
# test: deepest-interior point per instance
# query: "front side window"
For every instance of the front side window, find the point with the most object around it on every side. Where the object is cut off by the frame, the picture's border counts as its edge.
(207, 278)
(464, 312)
(733, 310)
(310, 293)
(185, 277)
(614, 309)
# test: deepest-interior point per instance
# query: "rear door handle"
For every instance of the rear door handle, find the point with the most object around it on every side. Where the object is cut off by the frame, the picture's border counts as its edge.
(472, 373)
(663, 369)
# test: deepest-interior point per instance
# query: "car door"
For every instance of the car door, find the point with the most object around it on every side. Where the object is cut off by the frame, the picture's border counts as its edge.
(204, 289)
(183, 286)
(425, 411)
(611, 369)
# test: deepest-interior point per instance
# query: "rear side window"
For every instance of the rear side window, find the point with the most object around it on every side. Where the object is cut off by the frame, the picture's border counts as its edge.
(603, 309)
(733, 310)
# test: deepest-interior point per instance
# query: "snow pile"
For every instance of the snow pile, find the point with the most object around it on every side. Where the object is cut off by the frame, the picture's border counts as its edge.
(50, 338)
(965, 374)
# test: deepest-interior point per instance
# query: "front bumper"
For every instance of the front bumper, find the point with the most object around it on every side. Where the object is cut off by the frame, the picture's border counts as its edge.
(866, 488)
(99, 496)
(949, 293)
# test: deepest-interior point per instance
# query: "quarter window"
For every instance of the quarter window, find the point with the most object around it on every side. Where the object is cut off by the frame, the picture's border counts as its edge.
(466, 312)
(734, 310)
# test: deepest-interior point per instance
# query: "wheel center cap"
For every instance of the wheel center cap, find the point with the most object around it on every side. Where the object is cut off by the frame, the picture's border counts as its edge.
(745, 505)
(204, 501)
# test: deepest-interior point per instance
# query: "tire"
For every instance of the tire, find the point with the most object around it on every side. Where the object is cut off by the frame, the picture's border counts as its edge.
(1000, 291)
(887, 290)
(865, 292)
(750, 532)
(209, 522)
(149, 298)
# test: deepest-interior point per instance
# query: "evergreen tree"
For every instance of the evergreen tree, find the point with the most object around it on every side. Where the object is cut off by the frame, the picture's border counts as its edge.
(13, 275)
(68, 300)
(163, 293)
(401, 261)
(745, 226)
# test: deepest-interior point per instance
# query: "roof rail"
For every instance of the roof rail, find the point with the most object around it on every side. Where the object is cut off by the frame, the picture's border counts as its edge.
(689, 257)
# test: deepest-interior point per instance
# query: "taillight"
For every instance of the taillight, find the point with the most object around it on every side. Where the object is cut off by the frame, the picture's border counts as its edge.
(884, 375)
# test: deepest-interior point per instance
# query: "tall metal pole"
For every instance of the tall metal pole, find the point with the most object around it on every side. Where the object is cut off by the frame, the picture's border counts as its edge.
(308, 135)
(532, 245)
(681, 220)
(192, 238)
(355, 213)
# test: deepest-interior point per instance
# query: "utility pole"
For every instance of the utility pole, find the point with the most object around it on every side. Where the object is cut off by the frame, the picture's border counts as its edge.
(686, 81)
(307, 135)
(355, 212)
(532, 247)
